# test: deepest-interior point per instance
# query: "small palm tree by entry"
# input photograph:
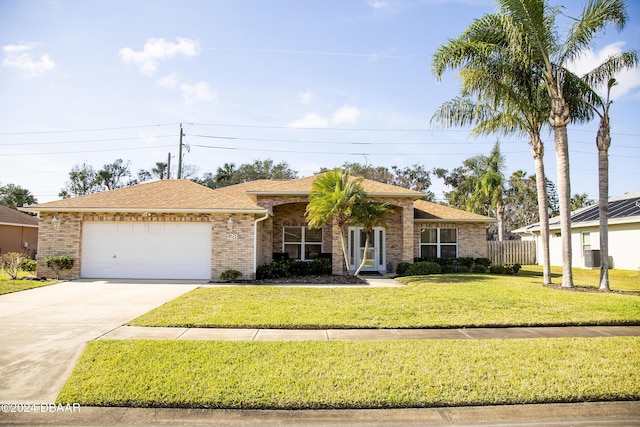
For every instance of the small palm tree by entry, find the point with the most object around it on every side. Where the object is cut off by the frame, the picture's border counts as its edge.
(333, 197)
(369, 215)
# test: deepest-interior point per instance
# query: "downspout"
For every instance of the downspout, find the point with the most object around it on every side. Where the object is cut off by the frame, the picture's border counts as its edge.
(255, 242)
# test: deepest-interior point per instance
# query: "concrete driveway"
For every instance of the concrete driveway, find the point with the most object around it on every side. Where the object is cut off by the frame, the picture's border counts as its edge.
(44, 331)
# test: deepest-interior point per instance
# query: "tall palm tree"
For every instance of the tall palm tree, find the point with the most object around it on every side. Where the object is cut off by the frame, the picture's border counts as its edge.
(333, 197)
(160, 170)
(500, 96)
(551, 54)
(601, 75)
(524, 32)
(369, 215)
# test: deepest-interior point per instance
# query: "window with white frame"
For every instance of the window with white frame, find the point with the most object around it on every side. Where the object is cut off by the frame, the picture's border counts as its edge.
(302, 243)
(586, 242)
(439, 243)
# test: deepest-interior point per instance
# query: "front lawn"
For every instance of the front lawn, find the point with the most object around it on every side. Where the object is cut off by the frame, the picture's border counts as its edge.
(356, 374)
(619, 280)
(8, 285)
(437, 301)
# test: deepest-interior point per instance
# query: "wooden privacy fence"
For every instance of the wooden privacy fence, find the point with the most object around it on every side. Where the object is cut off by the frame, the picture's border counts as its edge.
(512, 252)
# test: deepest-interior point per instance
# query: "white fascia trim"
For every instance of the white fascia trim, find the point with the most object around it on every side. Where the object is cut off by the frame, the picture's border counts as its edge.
(481, 221)
(150, 210)
(13, 224)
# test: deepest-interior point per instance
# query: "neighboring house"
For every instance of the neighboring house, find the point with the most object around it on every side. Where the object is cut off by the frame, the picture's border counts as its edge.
(18, 232)
(177, 229)
(624, 235)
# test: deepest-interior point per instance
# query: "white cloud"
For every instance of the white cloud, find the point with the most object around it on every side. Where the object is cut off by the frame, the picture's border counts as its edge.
(21, 58)
(198, 92)
(345, 114)
(310, 120)
(156, 50)
(305, 97)
(378, 4)
(627, 79)
(170, 80)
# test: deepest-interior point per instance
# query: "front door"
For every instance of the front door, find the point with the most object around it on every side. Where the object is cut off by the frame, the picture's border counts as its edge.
(376, 256)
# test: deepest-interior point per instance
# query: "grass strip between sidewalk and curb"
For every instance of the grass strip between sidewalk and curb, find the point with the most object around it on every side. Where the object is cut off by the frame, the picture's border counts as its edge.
(354, 374)
(437, 301)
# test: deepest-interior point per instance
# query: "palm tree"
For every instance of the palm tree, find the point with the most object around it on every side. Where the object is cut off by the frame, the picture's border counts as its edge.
(369, 215)
(580, 200)
(596, 78)
(224, 174)
(537, 19)
(500, 96)
(524, 32)
(333, 197)
(159, 170)
(490, 187)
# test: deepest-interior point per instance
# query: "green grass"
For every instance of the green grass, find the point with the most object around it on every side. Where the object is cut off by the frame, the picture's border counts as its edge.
(8, 285)
(361, 374)
(619, 280)
(437, 301)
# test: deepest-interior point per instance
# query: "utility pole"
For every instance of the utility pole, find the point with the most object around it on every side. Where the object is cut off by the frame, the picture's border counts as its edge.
(169, 166)
(180, 154)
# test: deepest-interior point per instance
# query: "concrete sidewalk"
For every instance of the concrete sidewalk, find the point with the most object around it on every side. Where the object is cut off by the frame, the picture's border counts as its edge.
(239, 334)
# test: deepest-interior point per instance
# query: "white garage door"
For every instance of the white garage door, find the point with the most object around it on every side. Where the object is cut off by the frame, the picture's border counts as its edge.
(146, 250)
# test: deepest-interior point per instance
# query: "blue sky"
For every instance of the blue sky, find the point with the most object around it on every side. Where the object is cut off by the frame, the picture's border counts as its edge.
(312, 83)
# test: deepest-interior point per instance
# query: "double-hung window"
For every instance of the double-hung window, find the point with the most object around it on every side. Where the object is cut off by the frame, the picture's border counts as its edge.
(302, 243)
(439, 243)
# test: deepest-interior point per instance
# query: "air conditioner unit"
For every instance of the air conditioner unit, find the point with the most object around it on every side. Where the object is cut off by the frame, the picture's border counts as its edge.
(592, 258)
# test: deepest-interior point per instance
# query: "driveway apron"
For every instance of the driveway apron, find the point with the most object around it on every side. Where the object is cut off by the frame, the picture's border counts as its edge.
(44, 331)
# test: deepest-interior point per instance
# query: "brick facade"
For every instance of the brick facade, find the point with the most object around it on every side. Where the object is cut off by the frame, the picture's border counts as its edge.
(472, 237)
(235, 249)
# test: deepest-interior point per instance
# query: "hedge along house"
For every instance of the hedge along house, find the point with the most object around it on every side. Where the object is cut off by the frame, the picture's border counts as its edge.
(177, 229)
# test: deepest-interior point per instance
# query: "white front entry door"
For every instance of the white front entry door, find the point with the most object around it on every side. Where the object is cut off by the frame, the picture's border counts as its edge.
(376, 253)
(146, 250)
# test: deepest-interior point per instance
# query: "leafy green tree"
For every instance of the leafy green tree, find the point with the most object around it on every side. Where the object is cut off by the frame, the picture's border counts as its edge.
(603, 75)
(333, 197)
(111, 175)
(82, 181)
(15, 196)
(229, 174)
(368, 215)
(580, 200)
(521, 206)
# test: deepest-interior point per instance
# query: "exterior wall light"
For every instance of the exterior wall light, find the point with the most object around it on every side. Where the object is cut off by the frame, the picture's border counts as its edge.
(55, 223)
(230, 224)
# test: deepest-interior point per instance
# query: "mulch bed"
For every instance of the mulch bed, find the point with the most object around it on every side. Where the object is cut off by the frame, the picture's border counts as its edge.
(591, 289)
(312, 280)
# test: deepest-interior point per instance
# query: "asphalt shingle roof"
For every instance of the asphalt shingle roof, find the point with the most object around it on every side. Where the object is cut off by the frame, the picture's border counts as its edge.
(14, 217)
(424, 210)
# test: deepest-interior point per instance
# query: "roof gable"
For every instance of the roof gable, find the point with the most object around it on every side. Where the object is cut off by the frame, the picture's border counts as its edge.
(175, 195)
(428, 211)
(302, 186)
(10, 216)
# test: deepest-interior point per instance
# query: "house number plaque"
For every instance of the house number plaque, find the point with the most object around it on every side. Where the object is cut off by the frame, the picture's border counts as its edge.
(232, 236)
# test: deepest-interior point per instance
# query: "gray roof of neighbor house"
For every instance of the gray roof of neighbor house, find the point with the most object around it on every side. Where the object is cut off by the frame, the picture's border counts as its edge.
(622, 209)
(10, 216)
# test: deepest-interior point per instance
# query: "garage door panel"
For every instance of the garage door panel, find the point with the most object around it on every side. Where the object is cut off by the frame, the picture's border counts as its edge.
(140, 250)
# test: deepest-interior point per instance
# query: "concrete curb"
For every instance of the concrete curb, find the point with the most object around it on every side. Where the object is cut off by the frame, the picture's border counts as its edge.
(557, 414)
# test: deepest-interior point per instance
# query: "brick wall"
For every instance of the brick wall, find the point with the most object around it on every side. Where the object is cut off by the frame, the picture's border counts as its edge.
(472, 238)
(65, 240)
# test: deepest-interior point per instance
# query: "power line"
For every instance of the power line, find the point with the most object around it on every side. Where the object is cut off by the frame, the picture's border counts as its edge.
(87, 151)
(86, 140)
(87, 130)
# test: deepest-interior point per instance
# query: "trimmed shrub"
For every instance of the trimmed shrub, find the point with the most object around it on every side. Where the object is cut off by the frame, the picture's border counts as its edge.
(479, 268)
(465, 261)
(273, 270)
(230, 275)
(287, 268)
(423, 268)
(483, 261)
(403, 268)
(320, 267)
(497, 269)
(59, 263)
(512, 269)
(28, 265)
